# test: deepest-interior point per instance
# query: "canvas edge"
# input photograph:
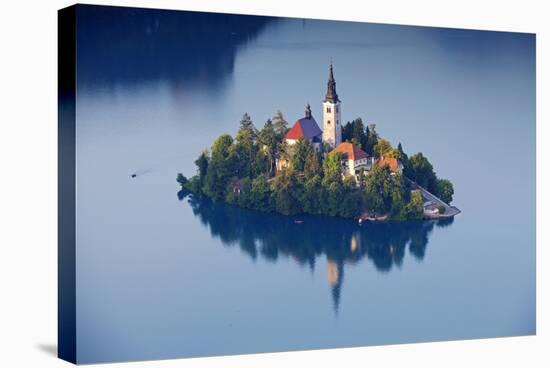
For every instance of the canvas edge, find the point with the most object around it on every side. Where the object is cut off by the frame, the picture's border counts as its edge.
(66, 79)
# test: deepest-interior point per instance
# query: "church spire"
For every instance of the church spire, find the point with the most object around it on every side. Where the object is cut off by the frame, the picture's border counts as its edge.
(331, 95)
(308, 111)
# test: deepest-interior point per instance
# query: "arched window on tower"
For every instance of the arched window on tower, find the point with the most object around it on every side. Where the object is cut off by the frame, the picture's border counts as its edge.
(328, 109)
(328, 122)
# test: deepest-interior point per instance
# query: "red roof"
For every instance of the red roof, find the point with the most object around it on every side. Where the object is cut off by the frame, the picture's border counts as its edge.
(393, 163)
(304, 128)
(351, 151)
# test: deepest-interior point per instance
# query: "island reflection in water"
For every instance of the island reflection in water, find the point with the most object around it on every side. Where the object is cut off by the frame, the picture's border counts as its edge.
(343, 242)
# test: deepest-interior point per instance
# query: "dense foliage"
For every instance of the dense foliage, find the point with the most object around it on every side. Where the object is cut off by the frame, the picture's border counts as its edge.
(242, 171)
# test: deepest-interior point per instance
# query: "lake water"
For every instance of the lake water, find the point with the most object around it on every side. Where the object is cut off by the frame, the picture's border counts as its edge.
(161, 276)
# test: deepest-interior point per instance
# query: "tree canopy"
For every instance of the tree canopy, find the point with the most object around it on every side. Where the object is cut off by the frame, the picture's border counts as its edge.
(241, 171)
(220, 168)
(382, 148)
(421, 171)
(280, 125)
(445, 190)
(355, 133)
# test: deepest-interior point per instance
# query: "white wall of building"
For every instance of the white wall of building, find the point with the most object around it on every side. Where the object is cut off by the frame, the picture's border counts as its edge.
(332, 123)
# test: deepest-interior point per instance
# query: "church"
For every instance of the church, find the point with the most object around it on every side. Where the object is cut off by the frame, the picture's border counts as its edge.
(354, 159)
(307, 128)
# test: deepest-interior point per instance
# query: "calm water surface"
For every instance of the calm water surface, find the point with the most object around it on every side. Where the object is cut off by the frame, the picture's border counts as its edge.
(161, 276)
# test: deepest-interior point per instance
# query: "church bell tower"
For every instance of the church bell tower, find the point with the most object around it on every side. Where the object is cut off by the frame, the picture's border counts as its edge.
(332, 123)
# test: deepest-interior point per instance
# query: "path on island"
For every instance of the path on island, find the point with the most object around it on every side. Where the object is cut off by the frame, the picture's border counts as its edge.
(450, 211)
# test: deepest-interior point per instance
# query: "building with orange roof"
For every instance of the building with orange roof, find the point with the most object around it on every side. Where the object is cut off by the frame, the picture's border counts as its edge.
(354, 159)
(394, 164)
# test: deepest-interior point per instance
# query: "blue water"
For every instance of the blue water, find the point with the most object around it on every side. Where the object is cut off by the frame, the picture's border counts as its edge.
(160, 276)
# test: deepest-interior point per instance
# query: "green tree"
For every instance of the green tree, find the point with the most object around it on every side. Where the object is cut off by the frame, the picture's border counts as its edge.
(334, 198)
(350, 204)
(400, 195)
(221, 146)
(347, 131)
(349, 183)
(220, 168)
(359, 136)
(231, 195)
(382, 147)
(247, 124)
(445, 190)
(267, 138)
(261, 164)
(421, 171)
(402, 155)
(285, 189)
(379, 189)
(403, 158)
(244, 199)
(312, 165)
(261, 194)
(245, 152)
(332, 168)
(280, 125)
(182, 180)
(301, 150)
(414, 209)
(355, 133)
(372, 139)
(312, 198)
(202, 166)
(284, 150)
(193, 185)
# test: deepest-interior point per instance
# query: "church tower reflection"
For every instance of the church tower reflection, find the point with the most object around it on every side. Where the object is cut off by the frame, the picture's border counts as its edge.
(273, 237)
(335, 277)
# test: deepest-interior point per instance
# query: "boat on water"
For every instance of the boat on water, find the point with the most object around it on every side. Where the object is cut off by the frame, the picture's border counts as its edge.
(365, 217)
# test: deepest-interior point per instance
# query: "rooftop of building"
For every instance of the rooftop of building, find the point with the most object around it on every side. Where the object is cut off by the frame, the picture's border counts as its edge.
(351, 151)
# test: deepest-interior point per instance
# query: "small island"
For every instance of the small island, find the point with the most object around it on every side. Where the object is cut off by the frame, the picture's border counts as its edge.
(344, 170)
